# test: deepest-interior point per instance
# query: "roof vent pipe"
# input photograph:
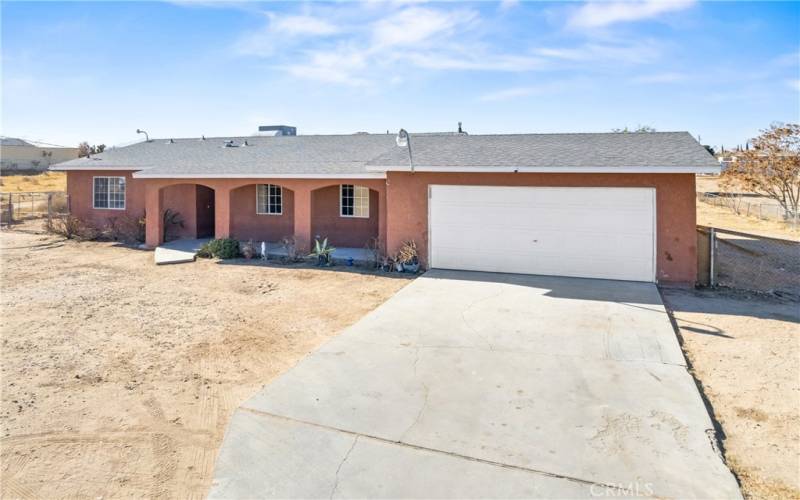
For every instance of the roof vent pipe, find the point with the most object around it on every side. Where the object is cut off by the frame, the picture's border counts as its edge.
(146, 137)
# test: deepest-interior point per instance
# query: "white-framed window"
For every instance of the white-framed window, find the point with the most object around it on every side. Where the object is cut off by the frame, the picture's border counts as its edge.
(109, 193)
(353, 201)
(269, 199)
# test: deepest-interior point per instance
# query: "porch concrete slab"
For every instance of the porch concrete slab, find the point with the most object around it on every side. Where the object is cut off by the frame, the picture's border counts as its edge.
(580, 379)
(179, 251)
(307, 461)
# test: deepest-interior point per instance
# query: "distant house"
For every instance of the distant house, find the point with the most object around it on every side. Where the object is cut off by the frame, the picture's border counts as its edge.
(612, 205)
(17, 154)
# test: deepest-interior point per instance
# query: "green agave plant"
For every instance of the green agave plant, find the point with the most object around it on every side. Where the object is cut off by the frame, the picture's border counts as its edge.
(322, 251)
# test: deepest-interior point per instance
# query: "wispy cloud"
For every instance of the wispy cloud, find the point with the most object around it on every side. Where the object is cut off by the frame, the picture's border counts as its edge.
(416, 25)
(602, 14)
(364, 44)
(794, 84)
(301, 25)
(311, 47)
(640, 51)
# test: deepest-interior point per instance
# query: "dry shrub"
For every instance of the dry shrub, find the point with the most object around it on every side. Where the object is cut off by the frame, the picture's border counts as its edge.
(126, 228)
(71, 228)
(59, 204)
(289, 244)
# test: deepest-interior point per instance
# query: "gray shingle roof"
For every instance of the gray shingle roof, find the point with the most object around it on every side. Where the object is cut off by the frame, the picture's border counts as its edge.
(361, 153)
(658, 149)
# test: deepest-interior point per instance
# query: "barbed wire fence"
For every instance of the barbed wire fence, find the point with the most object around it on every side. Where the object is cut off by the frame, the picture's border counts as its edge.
(22, 206)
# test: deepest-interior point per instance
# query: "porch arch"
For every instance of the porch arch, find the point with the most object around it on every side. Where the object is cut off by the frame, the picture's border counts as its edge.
(194, 204)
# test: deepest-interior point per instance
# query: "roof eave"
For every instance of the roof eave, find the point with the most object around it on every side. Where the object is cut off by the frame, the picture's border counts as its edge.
(365, 175)
(556, 170)
(60, 167)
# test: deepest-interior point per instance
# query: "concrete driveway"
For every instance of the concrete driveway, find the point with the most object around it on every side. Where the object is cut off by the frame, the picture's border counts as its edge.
(476, 385)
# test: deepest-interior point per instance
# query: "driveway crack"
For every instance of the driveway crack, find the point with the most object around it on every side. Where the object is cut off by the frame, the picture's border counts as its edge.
(419, 413)
(339, 468)
(470, 306)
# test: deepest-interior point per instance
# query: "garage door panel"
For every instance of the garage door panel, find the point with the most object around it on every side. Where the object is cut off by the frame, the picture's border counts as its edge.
(607, 219)
(588, 232)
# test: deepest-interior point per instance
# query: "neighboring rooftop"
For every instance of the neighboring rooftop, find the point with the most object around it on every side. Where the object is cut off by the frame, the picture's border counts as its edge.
(364, 153)
(13, 141)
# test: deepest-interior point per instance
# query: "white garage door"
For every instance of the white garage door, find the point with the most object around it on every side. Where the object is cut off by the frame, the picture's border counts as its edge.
(584, 232)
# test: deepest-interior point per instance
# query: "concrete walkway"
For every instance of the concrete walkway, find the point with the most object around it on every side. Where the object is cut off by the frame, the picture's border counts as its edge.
(178, 251)
(474, 385)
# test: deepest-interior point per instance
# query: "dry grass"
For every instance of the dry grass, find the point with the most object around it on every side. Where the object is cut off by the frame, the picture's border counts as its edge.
(45, 181)
(744, 349)
(119, 377)
(709, 215)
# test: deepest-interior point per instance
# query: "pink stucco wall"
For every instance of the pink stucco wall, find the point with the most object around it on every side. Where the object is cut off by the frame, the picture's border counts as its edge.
(676, 238)
(246, 224)
(80, 186)
(326, 221)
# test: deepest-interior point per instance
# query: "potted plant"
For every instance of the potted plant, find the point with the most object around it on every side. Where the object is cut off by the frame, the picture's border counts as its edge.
(322, 251)
(398, 264)
(408, 257)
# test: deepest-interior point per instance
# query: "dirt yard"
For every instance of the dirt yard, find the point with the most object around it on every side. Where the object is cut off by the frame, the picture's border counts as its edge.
(118, 377)
(745, 350)
(725, 218)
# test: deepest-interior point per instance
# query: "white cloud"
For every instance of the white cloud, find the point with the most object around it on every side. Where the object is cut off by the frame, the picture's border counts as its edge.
(508, 4)
(277, 32)
(601, 14)
(794, 84)
(416, 25)
(475, 62)
(301, 25)
(338, 66)
(635, 53)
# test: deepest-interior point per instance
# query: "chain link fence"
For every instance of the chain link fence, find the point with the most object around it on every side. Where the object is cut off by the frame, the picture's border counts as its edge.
(740, 205)
(18, 207)
(750, 262)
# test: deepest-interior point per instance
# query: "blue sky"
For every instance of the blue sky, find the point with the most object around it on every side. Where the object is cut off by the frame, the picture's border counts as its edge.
(99, 71)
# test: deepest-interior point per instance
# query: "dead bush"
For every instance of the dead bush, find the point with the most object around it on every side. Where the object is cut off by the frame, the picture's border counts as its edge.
(126, 228)
(59, 204)
(71, 228)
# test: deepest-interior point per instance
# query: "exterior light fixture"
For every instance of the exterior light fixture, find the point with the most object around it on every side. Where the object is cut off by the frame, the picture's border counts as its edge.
(146, 137)
(403, 139)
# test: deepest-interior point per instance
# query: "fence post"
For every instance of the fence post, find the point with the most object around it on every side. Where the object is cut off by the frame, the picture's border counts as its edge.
(49, 209)
(712, 248)
(10, 209)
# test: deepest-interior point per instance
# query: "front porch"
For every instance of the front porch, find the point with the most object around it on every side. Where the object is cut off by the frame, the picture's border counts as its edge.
(351, 213)
(185, 250)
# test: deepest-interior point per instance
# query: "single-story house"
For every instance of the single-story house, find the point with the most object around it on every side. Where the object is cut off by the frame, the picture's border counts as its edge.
(598, 205)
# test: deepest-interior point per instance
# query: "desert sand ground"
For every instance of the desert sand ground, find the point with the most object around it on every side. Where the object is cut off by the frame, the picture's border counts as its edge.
(118, 377)
(745, 351)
